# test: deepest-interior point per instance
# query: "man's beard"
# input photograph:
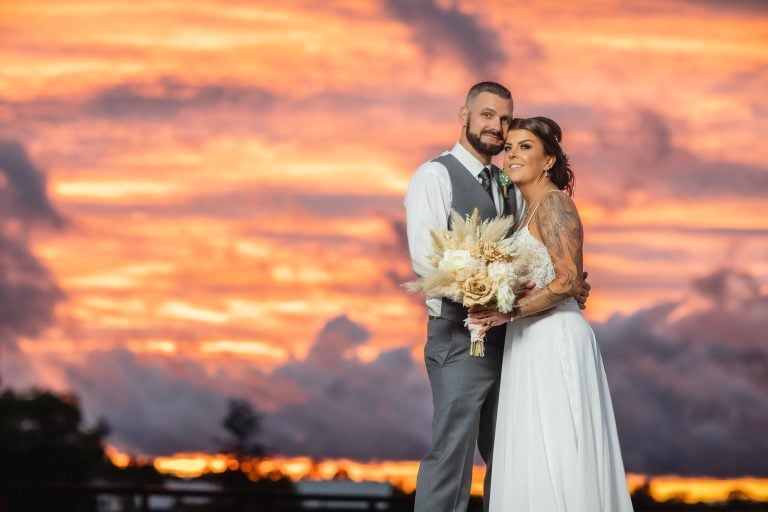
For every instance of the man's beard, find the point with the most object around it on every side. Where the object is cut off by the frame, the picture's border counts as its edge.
(481, 147)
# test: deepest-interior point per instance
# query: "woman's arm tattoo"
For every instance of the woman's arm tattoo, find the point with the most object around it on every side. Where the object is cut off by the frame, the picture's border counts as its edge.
(561, 232)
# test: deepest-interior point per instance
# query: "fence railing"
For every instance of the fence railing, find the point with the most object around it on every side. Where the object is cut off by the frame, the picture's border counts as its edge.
(15, 496)
(25, 496)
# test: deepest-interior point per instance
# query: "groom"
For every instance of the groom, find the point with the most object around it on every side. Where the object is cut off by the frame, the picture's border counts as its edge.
(464, 388)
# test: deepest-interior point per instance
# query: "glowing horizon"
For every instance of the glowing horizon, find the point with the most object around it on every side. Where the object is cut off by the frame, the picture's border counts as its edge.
(402, 475)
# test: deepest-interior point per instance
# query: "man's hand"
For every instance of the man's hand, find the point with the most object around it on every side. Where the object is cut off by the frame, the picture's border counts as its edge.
(524, 290)
(583, 293)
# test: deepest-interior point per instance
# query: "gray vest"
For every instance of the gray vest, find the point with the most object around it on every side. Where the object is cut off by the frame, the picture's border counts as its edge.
(469, 194)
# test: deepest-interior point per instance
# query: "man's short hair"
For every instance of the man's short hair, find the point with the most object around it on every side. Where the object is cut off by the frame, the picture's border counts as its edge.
(491, 87)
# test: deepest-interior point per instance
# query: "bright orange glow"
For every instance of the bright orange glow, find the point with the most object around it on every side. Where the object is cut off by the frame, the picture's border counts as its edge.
(109, 191)
(693, 490)
(192, 465)
(119, 459)
(162, 346)
(243, 348)
(402, 474)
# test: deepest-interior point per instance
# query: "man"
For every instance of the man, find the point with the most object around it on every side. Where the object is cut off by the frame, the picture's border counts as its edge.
(464, 388)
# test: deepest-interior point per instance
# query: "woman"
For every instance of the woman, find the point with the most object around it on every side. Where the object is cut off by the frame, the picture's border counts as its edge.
(556, 447)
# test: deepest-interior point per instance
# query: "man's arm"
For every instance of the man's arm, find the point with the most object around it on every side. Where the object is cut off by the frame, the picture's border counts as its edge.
(427, 207)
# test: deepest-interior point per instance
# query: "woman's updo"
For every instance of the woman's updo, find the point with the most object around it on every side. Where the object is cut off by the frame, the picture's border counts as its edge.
(551, 136)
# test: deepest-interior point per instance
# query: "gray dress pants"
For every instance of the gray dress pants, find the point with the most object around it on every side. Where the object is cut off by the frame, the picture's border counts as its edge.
(465, 395)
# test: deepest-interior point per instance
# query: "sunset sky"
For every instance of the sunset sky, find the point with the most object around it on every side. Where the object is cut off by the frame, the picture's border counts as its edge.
(207, 202)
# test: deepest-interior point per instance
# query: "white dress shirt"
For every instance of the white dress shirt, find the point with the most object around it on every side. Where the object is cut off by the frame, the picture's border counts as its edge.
(428, 206)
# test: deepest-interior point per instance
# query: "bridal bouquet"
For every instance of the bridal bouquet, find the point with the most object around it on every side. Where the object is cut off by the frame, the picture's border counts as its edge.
(475, 264)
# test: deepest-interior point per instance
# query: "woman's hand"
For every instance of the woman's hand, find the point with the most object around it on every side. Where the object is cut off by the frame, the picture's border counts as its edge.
(487, 318)
(582, 294)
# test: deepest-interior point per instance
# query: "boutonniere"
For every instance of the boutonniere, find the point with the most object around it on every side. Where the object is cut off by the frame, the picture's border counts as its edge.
(505, 182)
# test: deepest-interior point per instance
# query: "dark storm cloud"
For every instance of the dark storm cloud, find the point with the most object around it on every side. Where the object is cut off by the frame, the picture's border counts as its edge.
(658, 137)
(679, 173)
(691, 393)
(400, 229)
(354, 409)
(167, 98)
(439, 30)
(634, 150)
(735, 6)
(722, 287)
(149, 399)
(328, 405)
(432, 105)
(683, 230)
(28, 293)
(262, 201)
(158, 101)
(748, 79)
(23, 196)
(148, 402)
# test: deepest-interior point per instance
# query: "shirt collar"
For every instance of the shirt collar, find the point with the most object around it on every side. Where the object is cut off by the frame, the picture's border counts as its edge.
(466, 159)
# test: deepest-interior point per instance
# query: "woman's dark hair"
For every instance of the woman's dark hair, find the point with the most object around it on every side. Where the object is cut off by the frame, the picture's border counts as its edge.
(551, 136)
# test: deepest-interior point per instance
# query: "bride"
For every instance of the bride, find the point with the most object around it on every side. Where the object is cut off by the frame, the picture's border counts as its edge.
(556, 447)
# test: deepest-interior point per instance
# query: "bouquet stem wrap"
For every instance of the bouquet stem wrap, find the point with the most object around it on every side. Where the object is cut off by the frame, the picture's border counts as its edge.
(476, 339)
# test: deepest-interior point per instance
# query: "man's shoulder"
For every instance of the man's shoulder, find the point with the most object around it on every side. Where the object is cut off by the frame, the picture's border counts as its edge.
(441, 157)
(433, 166)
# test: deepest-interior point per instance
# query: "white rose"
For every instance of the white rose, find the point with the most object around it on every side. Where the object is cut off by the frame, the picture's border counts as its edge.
(503, 275)
(455, 260)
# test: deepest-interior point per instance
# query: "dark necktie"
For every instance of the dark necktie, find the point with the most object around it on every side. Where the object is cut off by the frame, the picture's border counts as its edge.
(485, 181)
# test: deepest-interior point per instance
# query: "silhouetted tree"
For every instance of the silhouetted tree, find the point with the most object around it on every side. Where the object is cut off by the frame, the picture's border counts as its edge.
(43, 440)
(642, 494)
(243, 424)
(137, 472)
(341, 474)
(738, 496)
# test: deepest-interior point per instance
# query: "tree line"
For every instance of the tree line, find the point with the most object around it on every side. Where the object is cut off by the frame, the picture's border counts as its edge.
(43, 440)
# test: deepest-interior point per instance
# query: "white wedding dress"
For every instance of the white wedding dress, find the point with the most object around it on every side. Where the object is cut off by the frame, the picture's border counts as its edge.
(556, 448)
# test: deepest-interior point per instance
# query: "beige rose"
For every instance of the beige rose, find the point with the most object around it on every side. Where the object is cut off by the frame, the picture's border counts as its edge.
(488, 251)
(492, 253)
(478, 290)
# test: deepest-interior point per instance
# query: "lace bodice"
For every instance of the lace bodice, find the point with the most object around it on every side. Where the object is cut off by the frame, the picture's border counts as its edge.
(536, 265)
